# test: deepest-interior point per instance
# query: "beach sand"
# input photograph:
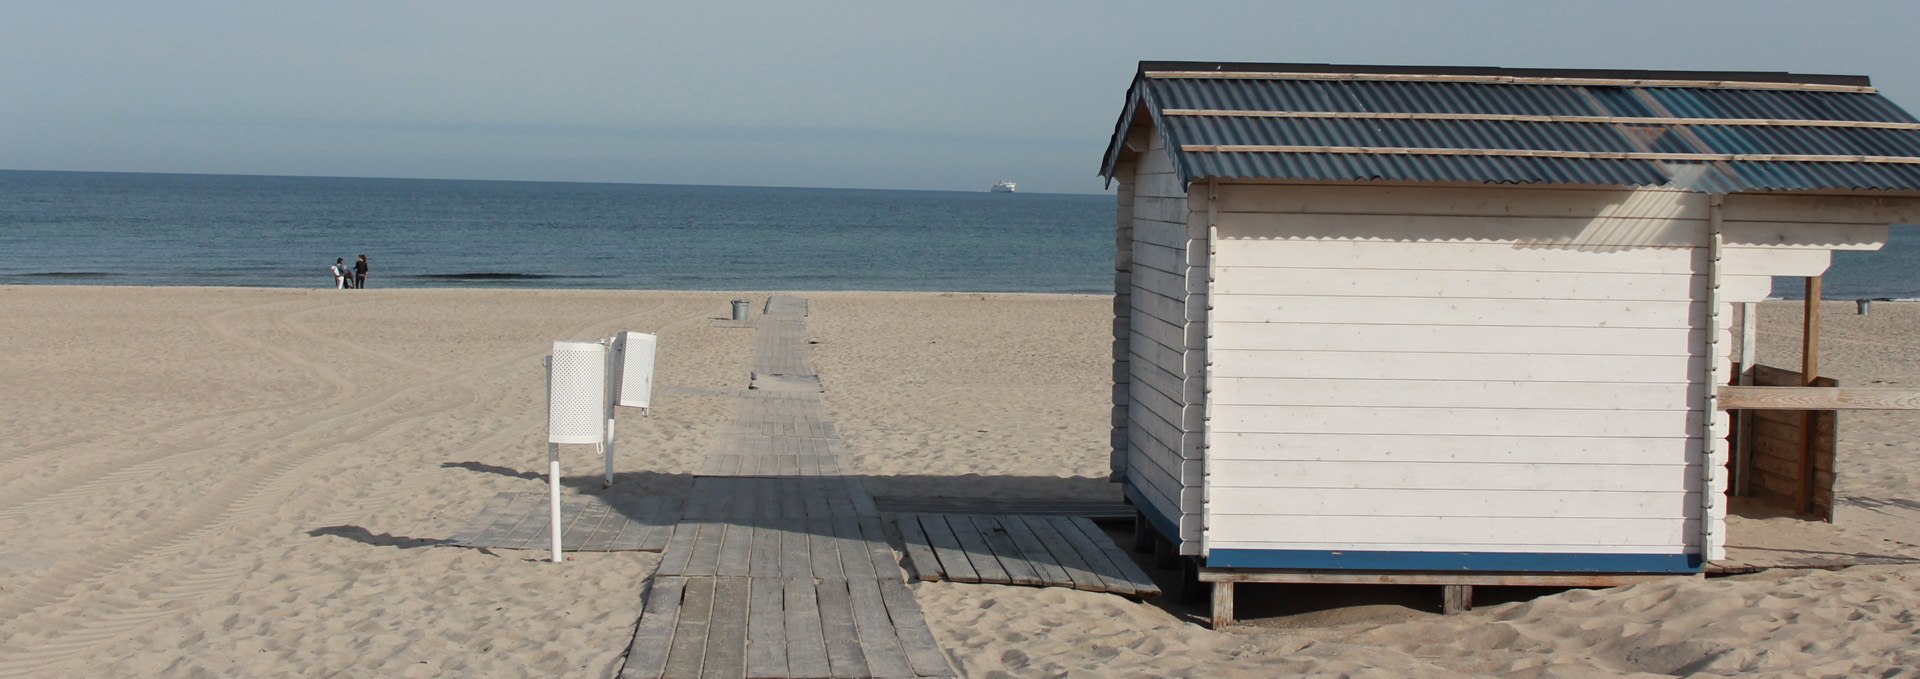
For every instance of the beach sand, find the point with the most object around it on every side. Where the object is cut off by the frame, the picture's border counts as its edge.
(239, 482)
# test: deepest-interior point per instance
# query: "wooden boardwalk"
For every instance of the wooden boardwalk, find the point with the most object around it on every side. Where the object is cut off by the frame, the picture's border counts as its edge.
(1007, 549)
(593, 524)
(779, 566)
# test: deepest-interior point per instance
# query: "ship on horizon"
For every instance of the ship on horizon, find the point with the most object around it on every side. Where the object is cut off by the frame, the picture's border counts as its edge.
(1003, 186)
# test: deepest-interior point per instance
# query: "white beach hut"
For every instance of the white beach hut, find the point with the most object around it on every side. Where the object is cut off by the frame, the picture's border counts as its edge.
(1457, 325)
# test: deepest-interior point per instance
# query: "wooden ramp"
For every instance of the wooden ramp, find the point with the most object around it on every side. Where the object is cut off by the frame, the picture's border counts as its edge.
(779, 566)
(1038, 551)
(593, 524)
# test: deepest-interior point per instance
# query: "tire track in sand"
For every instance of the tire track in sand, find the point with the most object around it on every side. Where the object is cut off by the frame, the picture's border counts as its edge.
(258, 490)
(79, 479)
(78, 456)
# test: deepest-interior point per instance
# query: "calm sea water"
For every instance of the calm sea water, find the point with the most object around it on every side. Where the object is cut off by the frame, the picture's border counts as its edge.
(165, 229)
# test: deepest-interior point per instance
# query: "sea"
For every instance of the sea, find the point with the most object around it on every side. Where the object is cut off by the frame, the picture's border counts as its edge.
(98, 228)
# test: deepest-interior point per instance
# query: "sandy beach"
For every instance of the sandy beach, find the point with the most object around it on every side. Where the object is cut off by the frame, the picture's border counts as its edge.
(201, 482)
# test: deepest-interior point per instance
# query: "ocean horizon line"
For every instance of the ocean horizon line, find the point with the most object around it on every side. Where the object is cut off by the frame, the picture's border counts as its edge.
(535, 181)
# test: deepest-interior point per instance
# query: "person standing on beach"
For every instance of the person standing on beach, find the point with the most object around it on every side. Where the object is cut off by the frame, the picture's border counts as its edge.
(360, 272)
(339, 273)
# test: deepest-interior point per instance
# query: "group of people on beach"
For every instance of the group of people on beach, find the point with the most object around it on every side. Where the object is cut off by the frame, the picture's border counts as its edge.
(348, 276)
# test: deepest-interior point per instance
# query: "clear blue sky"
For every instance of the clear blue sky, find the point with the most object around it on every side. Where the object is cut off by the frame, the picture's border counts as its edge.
(893, 94)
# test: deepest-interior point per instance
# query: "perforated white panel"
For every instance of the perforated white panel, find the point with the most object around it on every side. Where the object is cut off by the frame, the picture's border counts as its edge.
(636, 369)
(577, 393)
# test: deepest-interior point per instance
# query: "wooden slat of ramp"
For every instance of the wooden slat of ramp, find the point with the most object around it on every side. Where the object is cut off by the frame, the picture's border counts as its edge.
(779, 566)
(1046, 551)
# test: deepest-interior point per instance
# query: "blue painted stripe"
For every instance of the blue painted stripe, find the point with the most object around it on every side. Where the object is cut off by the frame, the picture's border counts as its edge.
(1168, 528)
(1524, 562)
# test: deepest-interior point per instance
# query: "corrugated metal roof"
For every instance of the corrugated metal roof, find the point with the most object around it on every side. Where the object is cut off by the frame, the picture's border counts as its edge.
(1717, 134)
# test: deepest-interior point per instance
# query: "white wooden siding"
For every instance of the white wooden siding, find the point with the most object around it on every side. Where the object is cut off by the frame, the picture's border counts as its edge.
(1363, 448)
(1118, 453)
(1460, 369)
(1165, 307)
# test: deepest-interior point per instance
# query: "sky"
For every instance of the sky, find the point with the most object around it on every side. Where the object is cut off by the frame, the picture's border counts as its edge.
(890, 95)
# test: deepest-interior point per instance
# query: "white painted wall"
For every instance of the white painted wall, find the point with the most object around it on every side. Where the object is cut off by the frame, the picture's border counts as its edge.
(1471, 369)
(1165, 284)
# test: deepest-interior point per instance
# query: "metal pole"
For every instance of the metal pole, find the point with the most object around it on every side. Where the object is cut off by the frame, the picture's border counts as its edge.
(553, 488)
(609, 452)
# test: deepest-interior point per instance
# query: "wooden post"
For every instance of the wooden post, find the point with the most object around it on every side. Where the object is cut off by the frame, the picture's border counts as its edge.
(1743, 426)
(1456, 599)
(1809, 371)
(1222, 604)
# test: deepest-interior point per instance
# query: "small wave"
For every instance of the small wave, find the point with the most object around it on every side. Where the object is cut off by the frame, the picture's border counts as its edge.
(71, 274)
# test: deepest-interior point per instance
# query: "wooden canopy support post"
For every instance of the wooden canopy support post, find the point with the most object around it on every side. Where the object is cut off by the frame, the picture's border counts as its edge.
(1809, 371)
(1743, 424)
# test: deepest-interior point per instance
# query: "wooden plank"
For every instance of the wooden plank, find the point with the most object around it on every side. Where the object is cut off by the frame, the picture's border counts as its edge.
(1255, 335)
(1045, 566)
(1301, 501)
(813, 495)
(879, 641)
(806, 644)
(1406, 367)
(824, 548)
(1240, 249)
(855, 558)
(861, 500)
(679, 550)
(974, 546)
(592, 513)
(1818, 398)
(840, 631)
(946, 547)
(791, 503)
(1535, 153)
(886, 562)
(1533, 533)
(1430, 578)
(490, 514)
(1096, 560)
(1540, 421)
(766, 628)
(765, 562)
(688, 653)
(1308, 392)
(1306, 279)
(1011, 558)
(923, 653)
(508, 518)
(532, 532)
(796, 557)
(1222, 605)
(726, 655)
(1082, 577)
(926, 566)
(1534, 118)
(1123, 566)
(736, 550)
(1515, 80)
(705, 558)
(1670, 478)
(653, 636)
(660, 519)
